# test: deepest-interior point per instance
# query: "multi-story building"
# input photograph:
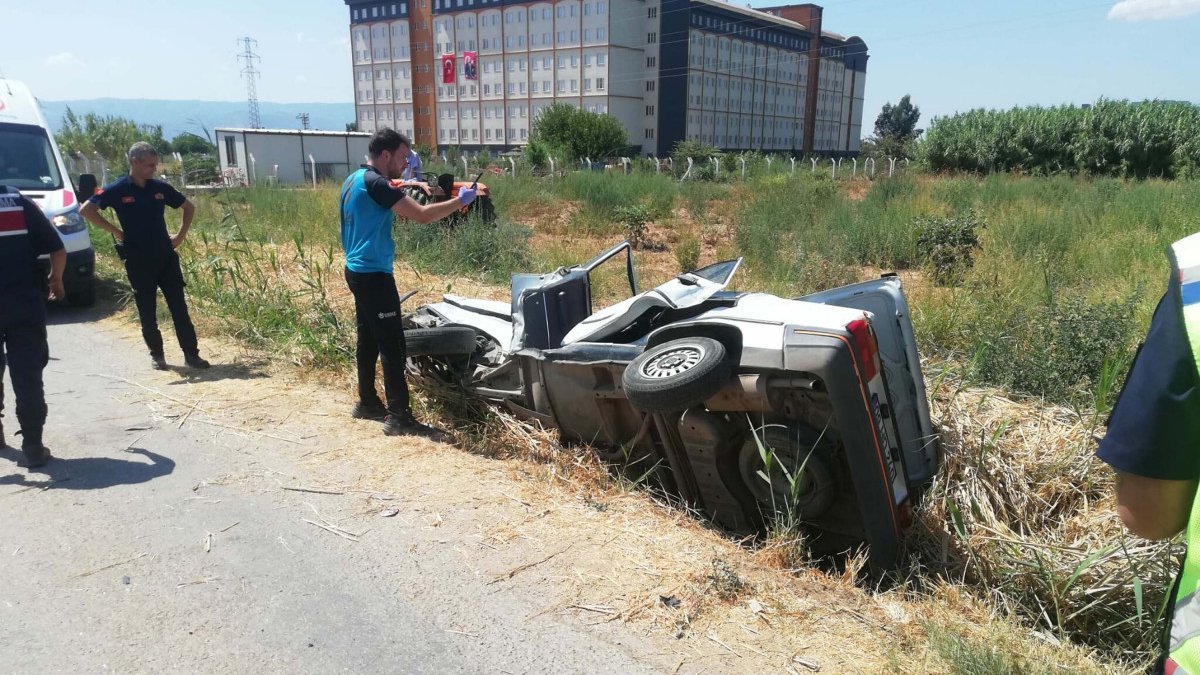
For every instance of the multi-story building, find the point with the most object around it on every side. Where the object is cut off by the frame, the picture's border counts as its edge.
(669, 70)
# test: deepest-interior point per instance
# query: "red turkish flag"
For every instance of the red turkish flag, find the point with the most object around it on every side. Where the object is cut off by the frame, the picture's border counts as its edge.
(470, 66)
(447, 69)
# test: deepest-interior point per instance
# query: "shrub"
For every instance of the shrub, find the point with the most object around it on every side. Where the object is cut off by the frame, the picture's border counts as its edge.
(634, 218)
(948, 244)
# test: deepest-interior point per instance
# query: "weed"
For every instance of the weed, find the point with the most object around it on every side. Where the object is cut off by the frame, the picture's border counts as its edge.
(725, 580)
(687, 253)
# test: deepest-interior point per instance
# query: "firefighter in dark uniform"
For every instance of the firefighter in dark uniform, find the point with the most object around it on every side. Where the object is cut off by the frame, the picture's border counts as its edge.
(148, 250)
(25, 234)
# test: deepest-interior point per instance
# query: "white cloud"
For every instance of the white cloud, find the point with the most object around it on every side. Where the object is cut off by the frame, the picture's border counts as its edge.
(1151, 10)
(301, 79)
(299, 37)
(64, 60)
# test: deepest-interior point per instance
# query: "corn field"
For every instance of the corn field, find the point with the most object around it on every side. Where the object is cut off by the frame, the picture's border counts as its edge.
(1124, 139)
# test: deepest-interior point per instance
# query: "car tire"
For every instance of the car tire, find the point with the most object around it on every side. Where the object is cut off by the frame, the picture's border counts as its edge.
(677, 375)
(84, 296)
(486, 210)
(439, 341)
(794, 448)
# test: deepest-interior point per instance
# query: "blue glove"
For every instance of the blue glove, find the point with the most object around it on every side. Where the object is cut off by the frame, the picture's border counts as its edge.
(466, 195)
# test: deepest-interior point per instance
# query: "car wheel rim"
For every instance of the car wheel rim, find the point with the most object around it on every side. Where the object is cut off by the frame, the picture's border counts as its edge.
(673, 362)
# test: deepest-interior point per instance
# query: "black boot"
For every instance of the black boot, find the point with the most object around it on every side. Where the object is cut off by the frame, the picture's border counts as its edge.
(36, 454)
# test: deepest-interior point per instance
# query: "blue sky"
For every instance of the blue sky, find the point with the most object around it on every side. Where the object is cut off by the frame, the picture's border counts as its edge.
(949, 54)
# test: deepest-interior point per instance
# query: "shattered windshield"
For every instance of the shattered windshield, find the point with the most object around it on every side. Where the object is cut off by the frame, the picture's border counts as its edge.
(718, 272)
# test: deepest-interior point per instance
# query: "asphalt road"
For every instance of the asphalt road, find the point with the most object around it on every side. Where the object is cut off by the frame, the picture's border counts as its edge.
(155, 543)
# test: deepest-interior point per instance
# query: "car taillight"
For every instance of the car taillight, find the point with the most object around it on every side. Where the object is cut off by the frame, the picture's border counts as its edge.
(864, 342)
(68, 198)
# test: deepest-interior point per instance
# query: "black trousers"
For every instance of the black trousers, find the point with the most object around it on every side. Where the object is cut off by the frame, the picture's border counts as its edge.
(147, 274)
(380, 337)
(24, 350)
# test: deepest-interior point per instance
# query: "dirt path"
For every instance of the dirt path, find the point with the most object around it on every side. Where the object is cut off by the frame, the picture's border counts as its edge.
(232, 521)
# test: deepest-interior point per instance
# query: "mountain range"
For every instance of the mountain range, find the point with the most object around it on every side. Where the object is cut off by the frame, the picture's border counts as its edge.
(177, 117)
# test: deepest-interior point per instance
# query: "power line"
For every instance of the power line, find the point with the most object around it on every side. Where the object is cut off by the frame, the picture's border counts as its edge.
(251, 74)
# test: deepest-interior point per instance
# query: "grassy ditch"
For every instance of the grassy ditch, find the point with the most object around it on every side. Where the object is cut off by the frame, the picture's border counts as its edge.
(1028, 295)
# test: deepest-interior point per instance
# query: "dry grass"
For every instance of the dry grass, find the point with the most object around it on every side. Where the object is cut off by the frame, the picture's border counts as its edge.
(1022, 513)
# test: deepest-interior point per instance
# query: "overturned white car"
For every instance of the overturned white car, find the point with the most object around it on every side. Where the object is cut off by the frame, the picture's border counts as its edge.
(745, 405)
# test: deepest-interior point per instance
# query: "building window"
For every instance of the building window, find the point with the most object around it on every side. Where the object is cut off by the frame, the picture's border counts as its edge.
(600, 83)
(652, 12)
(599, 59)
(651, 61)
(230, 151)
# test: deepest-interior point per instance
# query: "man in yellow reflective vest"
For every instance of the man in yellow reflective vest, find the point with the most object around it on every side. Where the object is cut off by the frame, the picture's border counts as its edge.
(1151, 444)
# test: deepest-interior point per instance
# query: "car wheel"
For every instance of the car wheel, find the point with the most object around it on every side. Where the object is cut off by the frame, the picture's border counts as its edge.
(486, 210)
(439, 341)
(82, 297)
(801, 483)
(677, 375)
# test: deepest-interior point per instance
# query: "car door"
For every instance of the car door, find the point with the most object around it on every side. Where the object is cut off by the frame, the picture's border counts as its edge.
(884, 298)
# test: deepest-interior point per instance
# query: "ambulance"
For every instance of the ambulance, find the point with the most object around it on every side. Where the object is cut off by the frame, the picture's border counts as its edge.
(30, 161)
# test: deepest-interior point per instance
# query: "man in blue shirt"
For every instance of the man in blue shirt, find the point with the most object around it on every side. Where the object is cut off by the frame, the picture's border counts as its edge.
(413, 170)
(148, 250)
(25, 234)
(1153, 431)
(368, 204)
(1154, 428)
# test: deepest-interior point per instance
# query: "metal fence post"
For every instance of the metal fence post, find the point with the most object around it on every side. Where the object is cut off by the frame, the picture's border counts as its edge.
(313, 163)
(625, 163)
(833, 165)
(869, 167)
(688, 172)
(513, 163)
(854, 171)
(793, 173)
(742, 159)
(891, 166)
(814, 163)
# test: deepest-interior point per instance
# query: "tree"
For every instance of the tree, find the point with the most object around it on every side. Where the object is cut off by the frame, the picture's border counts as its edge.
(191, 144)
(108, 136)
(579, 134)
(351, 126)
(898, 122)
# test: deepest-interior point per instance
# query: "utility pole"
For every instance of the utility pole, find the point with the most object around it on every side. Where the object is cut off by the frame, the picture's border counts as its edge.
(251, 74)
(303, 117)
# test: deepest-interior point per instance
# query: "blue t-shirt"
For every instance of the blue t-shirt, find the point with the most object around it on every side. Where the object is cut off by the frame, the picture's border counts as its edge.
(413, 170)
(1154, 429)
(367, 199)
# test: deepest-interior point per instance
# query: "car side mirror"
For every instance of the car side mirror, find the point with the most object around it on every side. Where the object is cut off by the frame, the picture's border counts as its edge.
(86, 187)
